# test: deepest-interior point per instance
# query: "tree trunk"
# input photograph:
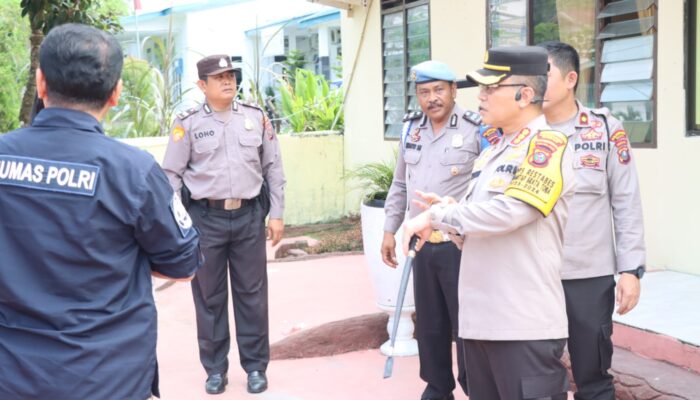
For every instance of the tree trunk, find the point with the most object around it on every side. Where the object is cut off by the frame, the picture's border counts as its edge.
(25, 111)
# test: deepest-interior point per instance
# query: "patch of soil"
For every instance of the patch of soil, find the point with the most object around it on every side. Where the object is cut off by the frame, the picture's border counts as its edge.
(352, 334)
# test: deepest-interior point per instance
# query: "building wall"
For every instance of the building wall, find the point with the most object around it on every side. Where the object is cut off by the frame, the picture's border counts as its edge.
(668, 174)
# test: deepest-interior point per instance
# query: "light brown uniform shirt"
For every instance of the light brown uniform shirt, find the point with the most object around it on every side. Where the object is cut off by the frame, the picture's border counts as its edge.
(428, 162)
(607, 200)
(509, 284)
(225, 155)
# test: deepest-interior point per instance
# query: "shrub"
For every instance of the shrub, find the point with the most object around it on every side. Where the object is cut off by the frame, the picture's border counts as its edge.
(14, 52)
(311, 105)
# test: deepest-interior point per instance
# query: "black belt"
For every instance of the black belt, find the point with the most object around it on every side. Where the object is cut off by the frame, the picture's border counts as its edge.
(227, 204)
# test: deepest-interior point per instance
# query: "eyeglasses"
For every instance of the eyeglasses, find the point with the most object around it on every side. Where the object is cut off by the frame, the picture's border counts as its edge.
(489, 89)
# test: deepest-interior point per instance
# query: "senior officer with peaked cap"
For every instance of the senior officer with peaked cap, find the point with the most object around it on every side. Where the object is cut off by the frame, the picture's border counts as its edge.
(436, 153)
(512, 318)
(226, 153)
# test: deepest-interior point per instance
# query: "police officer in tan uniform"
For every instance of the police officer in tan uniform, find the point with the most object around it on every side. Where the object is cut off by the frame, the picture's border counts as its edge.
(607, 194)
(436, 154)
(512, 317)
(226, 152)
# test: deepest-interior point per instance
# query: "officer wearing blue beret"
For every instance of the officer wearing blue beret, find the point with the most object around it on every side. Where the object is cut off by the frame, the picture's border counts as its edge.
(436, 154)
(85, 221)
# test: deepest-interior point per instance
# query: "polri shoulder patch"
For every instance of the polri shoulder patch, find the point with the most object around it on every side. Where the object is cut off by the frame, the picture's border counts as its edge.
(473, 117)
(410, 116)
(185, 114)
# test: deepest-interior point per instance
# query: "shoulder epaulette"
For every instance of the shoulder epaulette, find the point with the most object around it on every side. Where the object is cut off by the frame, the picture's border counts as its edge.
(185, 114)
(412, 115)
(251, 105)
(603, 112)
(472, 117)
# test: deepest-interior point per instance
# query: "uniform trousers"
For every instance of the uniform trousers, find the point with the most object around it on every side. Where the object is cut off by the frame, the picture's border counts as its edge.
(516, 370)
(232, 242)
(589, 306)
(435, 279)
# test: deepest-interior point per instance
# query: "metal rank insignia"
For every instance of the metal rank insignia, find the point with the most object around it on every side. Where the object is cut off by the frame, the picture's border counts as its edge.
(248, 125)
(457, 141)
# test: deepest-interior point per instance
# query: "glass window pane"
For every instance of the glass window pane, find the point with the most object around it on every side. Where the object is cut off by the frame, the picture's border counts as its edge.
(420, 42)
(413, 103)
(625, 28)
(507, 21)
(572, 22)
(393, 19)
(628, 71)
(394, 117)
(393, 61)
(636, 117)
(624, 7)
(394, 34)
(394, 89)
(395, 103)
(418, 29)
(406, 42)
(629, 91)
(417, 14)
(393, 131)
(418, 56)
(393, 48)
(394, 75)
(633, 48)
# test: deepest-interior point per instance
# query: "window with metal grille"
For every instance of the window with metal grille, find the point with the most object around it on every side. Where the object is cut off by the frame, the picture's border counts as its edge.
(405, 42)
(616, 41)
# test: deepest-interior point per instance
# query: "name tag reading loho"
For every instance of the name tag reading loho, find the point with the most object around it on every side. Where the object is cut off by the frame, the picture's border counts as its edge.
(49, 175)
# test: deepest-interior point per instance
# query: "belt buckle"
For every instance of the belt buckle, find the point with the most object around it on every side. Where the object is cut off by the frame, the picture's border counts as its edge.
(436, 237)
(232, 204)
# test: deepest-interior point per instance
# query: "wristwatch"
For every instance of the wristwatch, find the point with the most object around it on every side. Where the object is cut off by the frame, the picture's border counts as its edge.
(638, 272)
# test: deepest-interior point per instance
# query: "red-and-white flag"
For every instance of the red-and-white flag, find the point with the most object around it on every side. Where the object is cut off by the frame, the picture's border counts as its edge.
(137, 5)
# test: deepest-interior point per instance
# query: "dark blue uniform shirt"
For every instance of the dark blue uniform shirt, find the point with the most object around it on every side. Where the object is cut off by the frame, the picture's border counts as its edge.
(84, 219)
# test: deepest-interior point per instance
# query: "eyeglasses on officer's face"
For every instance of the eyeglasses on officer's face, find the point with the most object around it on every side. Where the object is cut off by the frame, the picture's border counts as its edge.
(490, 89)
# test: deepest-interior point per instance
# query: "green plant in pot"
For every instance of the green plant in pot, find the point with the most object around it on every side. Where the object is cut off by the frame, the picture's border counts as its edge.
(374, 179)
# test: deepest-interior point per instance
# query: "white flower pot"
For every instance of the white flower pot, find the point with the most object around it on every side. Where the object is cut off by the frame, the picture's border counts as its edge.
(386, 280)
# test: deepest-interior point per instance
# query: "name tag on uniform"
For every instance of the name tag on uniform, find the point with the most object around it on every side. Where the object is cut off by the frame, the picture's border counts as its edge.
(49, 175)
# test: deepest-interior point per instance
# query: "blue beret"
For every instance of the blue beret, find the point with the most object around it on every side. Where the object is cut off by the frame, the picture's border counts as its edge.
(429, 71)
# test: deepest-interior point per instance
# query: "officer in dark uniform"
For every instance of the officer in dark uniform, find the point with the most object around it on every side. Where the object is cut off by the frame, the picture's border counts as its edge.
(226, 153)
(437, 151)
(84, 222)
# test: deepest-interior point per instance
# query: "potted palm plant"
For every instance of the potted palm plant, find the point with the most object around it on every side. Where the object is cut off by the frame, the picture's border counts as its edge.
(375, 179)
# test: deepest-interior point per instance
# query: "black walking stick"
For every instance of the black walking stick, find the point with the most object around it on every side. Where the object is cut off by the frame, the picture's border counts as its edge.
(399, 304)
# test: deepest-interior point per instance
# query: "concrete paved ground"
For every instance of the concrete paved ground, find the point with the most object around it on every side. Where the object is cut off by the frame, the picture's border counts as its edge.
(303, 294)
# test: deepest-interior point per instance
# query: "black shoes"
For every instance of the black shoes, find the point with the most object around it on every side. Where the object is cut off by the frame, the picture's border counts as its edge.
(216, 383)
(257, 382)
